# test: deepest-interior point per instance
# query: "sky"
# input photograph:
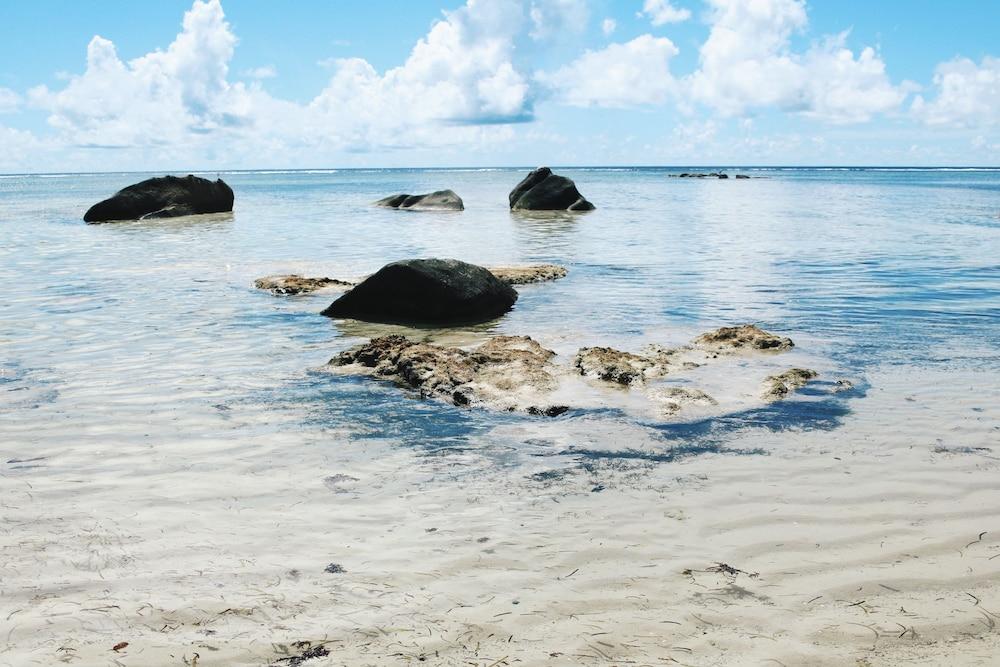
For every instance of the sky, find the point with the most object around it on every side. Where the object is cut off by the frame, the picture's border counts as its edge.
(255, 84)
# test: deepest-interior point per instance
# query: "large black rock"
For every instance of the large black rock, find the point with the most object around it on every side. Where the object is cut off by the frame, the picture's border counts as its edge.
(164, 197)
(541, 190)
(426, 291)
(442, 200)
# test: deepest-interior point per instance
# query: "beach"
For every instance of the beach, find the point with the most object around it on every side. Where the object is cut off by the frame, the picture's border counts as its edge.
(183, 478)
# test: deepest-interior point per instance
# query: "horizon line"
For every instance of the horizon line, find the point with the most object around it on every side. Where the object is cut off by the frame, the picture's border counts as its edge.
(511, 167)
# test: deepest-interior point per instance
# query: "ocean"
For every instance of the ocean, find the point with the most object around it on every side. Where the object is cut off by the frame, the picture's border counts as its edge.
(875, 267)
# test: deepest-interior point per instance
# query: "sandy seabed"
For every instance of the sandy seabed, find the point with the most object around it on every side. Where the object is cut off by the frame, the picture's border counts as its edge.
(873, 543)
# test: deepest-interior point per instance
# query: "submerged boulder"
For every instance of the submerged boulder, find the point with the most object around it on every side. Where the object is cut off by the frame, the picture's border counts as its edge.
(426, 291)
(442, 200)
(541, 190)
(674, 399)
(164, 197)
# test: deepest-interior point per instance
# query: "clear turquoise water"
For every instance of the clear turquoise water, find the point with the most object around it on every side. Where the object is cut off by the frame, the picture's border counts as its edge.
(152, 332)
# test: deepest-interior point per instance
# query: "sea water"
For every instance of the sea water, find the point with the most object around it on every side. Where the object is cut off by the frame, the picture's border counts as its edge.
(151, 334)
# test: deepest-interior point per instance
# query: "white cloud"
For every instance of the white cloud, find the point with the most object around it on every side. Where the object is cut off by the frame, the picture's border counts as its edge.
(840, 88)
(9, 101)
(161, 97)
(263, 72)
(461, 73)
(462, 88)
(966, 94)
(661, 12)
(747, 63)
(635, 73)
(17, 149)
(179, 101)
(554, 18)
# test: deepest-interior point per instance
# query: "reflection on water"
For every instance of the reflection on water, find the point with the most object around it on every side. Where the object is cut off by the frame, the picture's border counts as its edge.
(131, 331)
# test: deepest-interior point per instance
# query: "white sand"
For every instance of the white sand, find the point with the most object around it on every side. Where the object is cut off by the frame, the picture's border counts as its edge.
(865, 542)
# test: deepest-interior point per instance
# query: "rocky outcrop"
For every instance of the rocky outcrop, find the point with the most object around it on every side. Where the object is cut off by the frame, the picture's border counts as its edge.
(743, 337)
(442, 200)
(164, 197)
(777, 387)
(524, 275)
(296, 284)
(426, 292)
(516, 373)
(506, 372)
(541, 190)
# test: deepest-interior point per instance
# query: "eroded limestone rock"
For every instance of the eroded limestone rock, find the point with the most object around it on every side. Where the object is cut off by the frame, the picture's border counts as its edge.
(743, 337)
(296, 284)
(506, 372)
(607, 363)
(532, 273)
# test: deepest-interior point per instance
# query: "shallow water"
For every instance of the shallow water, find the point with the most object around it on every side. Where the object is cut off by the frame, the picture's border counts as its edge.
(151, 333)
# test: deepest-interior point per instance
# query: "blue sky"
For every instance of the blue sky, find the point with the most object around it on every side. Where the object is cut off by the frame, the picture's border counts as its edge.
(176, 85)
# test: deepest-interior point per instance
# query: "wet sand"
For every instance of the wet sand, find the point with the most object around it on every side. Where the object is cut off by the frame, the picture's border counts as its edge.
(875, 543)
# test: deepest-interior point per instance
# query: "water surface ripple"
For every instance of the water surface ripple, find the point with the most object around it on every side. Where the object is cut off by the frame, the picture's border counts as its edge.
(152, 332)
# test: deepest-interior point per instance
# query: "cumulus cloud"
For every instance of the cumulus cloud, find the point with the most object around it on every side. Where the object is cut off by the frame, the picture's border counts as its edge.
(462, 73)
(635, 73)
(661, 12)
(464, 86)
(551, 18)
(747, 63)
(162, 96)
(9, 101)
(262, 72)
(966, 94)
(460, 76)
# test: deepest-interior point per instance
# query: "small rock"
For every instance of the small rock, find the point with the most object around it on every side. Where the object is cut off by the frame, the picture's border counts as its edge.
(334, 568)
(842, 385)
(743, 337)
(336, 483)
(780, 386)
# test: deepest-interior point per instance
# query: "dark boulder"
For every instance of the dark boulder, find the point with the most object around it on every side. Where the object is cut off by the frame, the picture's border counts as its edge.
(541, 190)
(426, 291)
(164, 197)
(442, 200)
